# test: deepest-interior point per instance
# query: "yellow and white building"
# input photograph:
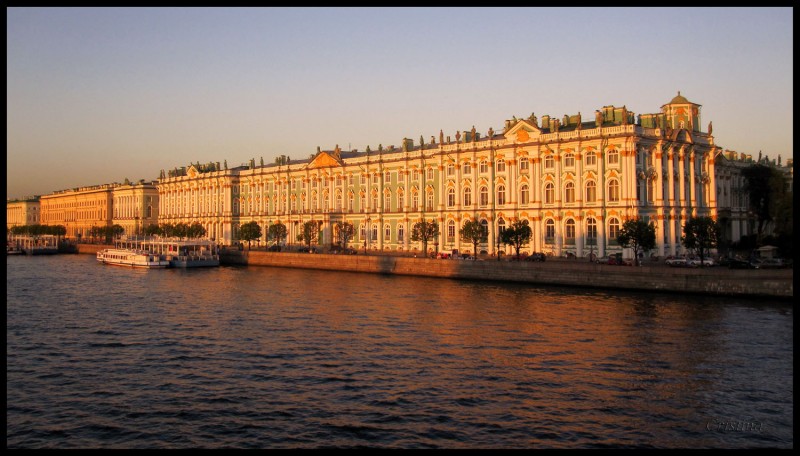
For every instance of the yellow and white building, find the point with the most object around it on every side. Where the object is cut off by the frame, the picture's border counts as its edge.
(23, 212)
(135, 206)
(576, 182)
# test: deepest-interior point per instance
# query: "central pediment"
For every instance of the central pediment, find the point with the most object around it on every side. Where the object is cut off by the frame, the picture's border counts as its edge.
(522, 132)
(325, 159)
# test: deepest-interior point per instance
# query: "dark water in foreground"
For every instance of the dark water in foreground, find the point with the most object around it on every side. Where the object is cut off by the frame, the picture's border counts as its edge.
(103, 356)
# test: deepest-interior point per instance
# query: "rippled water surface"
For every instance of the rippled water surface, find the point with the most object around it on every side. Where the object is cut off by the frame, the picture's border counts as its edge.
(109, 357)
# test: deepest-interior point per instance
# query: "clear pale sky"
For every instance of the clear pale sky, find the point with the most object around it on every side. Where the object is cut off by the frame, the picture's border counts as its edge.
(97, 95)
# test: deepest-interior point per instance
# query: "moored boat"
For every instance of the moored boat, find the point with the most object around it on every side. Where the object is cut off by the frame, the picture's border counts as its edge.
(14, 250)
(192, 253)
(43, 244)
(132, 258)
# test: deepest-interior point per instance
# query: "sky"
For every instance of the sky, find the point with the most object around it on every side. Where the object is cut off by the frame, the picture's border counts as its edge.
(98, 95)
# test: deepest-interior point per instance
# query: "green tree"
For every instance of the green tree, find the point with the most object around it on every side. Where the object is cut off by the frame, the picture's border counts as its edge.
(638, 235)
(181, 230)
(60, 230)
(424, 231)
(474, 233)
(309, 233)
(518, 234)
(151, 230)
(195, 231)
(344, 233)
(276, 233)
(701, 234)
(249, 231)
(167, 229)
(765, 187)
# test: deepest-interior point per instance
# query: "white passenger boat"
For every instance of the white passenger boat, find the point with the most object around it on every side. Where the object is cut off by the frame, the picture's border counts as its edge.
(192, 253)
(132, 258)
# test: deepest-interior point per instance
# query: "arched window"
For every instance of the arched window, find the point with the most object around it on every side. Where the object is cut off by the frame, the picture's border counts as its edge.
(549, 231)
(387, 201)
(549, 163)
(451, 231)
(484, 167)
(374, 232)
(501, 225)
(467, 196)
(591, 231)
(613, 156)
(451, 169)
(501, 166)
(569, 192)
(549, 190)
(524, 194)
(569, 232)
(591, 159)
(501, 194)
(414, 200)
(429, 200)
(523, 164)
(485, 226)
(338, 200)
(591, 191)
(613, 230)
(400, 233)
(569, 160)
(613, 190)
(387, 232)
(484, 195)
(451, 197)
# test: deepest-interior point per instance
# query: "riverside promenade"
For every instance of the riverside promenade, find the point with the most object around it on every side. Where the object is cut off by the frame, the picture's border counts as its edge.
(719, 281)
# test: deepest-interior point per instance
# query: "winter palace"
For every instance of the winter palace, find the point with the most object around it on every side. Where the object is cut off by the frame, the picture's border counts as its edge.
(575, 180)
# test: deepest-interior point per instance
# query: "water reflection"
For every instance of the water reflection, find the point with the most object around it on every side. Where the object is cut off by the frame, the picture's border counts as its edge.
(268, 357)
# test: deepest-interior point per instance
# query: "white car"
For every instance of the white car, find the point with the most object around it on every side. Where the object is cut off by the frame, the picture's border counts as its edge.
(696, 262)
(676, 262)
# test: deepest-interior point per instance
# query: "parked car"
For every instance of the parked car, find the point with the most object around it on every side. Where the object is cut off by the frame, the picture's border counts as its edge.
(695, 262)
(676, 262)
(274, 248)
(771, 263)
(535, 256)
(736, 263)
(602, 260)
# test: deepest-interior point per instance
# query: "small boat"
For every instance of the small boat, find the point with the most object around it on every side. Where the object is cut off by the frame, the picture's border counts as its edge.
(132, 258)
(14, 250)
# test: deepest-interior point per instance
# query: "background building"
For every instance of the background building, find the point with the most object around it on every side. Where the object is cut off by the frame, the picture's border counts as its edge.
(135, 206)
(22, 212)
(78, 209)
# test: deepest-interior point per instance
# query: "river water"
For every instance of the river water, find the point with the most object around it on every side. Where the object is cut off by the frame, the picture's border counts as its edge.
(256, 357)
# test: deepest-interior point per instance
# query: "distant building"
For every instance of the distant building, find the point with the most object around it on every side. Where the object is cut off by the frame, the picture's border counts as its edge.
(22, 212)
(576, 182)
(78, 209)
(135, 206)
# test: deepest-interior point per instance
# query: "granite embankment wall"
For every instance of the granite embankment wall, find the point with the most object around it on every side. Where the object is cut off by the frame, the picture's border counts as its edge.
(776, 283)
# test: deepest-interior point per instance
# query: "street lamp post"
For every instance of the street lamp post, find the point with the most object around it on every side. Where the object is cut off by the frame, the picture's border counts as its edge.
(498, 246)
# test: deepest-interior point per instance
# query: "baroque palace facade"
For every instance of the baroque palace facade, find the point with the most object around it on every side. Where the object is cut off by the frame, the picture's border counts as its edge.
(575, 182)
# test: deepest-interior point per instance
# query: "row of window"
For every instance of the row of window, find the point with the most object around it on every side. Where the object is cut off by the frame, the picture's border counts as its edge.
(614, 226)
